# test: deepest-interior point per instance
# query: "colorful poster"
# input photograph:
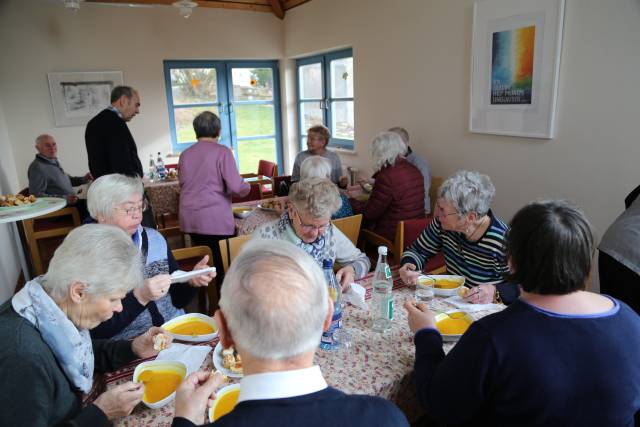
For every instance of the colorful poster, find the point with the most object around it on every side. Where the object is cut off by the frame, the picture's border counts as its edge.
(512, 66)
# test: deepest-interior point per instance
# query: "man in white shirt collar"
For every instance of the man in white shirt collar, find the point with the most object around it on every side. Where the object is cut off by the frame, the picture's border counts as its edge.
(274, 307)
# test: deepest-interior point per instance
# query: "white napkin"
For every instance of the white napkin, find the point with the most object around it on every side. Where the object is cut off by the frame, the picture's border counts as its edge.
(459, 303)
(355, 296)
(191, 355)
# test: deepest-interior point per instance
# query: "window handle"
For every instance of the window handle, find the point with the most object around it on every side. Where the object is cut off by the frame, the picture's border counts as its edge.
(230, 108)
(326, 104)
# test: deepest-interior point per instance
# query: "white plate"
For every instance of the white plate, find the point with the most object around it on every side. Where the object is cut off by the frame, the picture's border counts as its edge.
(444, 292)
(38, 202)
(453, 337)
(217, 362)
(192, 338)
(267, 209)
(180, 276)
(219, 394)
(171, 365)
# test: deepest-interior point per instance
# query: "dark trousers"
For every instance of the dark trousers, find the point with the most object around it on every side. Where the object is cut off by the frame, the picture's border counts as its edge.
(619, 281)
(213, 243)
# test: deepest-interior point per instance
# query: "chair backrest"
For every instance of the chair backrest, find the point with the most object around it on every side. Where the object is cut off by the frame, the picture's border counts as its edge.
(267, 168)
(409, 230)
(187, 258)
(254, 194)
(230, 248)
(350, 226)
(436, 182)
(45, 233)
(174, 237)
(281, 185)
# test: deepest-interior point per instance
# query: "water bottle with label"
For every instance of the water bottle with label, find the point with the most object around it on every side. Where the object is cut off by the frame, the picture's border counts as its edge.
(382, 309)
(160, 169)
(152, 168)
(335, 292)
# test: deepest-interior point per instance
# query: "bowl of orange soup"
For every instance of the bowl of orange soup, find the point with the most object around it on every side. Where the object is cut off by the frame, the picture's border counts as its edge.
(226, 400)
(452, 324)
(161, 378)
(193, 327)
(444, 285)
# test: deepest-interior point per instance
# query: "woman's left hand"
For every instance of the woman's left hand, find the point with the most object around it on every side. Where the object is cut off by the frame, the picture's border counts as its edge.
(203, 279)
(142, 346)
(481, 294)
(345, 277)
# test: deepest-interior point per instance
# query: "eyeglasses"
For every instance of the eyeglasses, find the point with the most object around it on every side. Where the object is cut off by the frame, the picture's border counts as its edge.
(133, 210)
(440, 211)
(310, 227)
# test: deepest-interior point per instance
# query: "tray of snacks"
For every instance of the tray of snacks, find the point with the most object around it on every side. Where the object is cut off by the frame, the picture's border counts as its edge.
(18, 201)
(273, 205)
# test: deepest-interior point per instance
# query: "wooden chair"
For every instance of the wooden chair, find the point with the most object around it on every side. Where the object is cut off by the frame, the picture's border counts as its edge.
(254, 194)
(187, 258)
(436, 182)
(45, 233)
(174, 237)
(268, 169)
(230, 248)
(350, 226)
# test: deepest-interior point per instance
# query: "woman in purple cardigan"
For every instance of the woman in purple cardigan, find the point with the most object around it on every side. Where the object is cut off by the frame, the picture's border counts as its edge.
(208, 178)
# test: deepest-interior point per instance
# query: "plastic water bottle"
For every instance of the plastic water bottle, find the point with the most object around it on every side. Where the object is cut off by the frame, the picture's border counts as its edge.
(152, 168)
(382, 296)
(160, 169)
(335, 292)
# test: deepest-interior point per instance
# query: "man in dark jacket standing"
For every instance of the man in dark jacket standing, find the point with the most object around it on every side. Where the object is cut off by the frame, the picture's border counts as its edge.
(110, 145)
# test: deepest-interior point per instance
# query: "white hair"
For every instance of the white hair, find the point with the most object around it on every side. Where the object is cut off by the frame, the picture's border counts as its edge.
(386, 148)
(315, 167)
(275, 300)
(468, 191)
(108, 191)
(315, 196)
(101, 256)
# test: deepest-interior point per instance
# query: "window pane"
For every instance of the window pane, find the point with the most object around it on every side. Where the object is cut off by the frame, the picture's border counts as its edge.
(252, 151)
(251, 84)
(255, 120)
(342, 78)
(184, 122)
(193, 85)
(310, 77)
(311, 115)
(342, 119)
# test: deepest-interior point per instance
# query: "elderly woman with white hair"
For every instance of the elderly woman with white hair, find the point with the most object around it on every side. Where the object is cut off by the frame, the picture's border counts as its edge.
(398, 192)
(47, 356)
(319, 167)
(471, 238)
(307, 224)
(118, 200)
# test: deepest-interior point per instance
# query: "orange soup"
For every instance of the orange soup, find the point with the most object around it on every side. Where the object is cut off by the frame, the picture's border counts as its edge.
(226, 403)
(447, 283)
(453, 326)
(158, 384)
(191, 327)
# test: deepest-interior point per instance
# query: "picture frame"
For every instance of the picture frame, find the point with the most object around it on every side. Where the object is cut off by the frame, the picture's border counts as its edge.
(78, 96)
(515, 65)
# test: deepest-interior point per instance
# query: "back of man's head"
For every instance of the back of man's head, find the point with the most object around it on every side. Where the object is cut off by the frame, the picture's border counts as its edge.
(274, 300)
(404, 134)
(120, 91)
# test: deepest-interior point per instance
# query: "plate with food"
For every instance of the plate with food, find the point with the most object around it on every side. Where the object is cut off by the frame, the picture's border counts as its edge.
(226, 400)
(273, 205)
(227, 361)
(15, 202)
(242, 211)
(161, 378)
(452, 324)
(444, 285)
(192, 327)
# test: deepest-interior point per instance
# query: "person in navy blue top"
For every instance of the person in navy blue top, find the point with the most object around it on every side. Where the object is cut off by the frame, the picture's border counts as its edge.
(273, 308)
(558, 356)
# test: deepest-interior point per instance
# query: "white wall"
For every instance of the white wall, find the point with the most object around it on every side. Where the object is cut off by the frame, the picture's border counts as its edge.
(412, 68)
(41, 36)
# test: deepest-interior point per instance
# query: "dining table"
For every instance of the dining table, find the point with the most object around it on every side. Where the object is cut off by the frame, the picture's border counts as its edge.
(258, 215)
(378, 363)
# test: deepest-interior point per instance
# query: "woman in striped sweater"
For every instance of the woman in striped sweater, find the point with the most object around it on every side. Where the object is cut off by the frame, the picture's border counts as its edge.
(471, 238)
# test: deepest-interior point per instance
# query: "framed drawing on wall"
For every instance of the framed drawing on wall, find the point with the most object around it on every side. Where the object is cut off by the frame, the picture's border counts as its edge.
(78, 96)
(514, 67)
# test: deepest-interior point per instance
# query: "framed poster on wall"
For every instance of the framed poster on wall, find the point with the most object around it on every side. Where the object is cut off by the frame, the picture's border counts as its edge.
(515, 65)
(78, 96)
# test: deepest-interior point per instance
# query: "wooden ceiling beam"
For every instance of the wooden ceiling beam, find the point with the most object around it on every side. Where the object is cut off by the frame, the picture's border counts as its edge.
(276, 6)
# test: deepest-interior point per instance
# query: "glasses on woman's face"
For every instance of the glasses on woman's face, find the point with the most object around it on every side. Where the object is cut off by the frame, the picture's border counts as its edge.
(308, 228)
(133, 210)
(440, 211)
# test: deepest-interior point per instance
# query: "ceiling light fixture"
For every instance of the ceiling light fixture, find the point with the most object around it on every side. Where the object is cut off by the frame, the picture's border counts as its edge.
(186, 7)
(72, 5)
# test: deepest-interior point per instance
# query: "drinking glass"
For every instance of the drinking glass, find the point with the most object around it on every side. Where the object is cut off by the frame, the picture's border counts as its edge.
(424, 290)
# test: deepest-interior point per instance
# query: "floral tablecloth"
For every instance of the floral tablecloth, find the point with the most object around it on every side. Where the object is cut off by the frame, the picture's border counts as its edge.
(164, 196)
(257, 217)
(379, 364)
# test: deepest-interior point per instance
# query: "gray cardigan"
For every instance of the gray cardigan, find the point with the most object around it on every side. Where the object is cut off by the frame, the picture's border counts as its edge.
(47, 178)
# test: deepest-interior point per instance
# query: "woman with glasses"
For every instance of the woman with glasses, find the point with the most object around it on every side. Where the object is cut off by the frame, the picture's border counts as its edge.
(470, 237)
(117, 200)
(307, 224)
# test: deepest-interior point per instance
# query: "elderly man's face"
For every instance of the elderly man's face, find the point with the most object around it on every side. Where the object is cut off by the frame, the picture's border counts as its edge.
(130, 107)
(47, 147)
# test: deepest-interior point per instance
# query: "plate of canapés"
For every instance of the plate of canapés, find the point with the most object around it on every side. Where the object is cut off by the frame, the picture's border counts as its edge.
(192, 327)
(452, 324)
(227, 361)
(14, 202)
(226, 399)
(274, 205)
(444, 285)
(161, 378)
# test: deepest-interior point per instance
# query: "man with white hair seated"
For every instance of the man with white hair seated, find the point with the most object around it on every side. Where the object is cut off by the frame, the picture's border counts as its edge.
(281, 385)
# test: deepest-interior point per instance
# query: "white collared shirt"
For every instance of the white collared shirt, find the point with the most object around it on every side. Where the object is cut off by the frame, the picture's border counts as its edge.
(282, 384)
